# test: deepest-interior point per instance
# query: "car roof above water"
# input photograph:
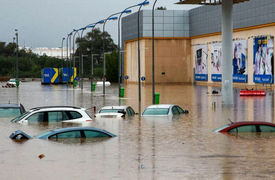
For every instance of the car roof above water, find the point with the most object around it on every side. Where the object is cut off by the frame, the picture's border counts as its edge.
(160, 106)
(114, 107)
(9, 105)
(60, 130)
(55, 108)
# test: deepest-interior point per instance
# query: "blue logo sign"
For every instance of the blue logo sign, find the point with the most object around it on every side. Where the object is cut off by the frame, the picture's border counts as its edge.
(126, 77)
(142, 78)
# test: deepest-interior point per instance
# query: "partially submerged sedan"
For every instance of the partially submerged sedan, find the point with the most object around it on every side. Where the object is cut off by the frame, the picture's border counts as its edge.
(247, 126)
(11, 110)
(163, 110)
(115, 112)
(65, 133)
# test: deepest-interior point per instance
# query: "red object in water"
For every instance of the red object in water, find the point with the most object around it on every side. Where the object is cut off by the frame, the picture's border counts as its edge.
(252, 93)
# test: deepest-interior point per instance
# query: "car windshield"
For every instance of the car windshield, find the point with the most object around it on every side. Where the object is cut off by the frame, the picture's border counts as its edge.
(9, 112)
(20, 117)
(156, 111)
(110, 110)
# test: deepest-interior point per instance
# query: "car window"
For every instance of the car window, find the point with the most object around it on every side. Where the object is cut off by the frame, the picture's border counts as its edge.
(55, 116)
(110, 110)
(180, 110)
(175, 110)
(65, 116)
(265, 128)
(245, 128)
(93, 134)
(19, 118)
(156, 111)
(75, 115)
(37, 117)
(9, 112)
(65, 135)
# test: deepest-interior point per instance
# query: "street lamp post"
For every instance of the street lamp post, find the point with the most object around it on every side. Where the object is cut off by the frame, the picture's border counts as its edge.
(16, 35)
(62, 48)
(104, 63)
(153, 53)
(127, 10)
(67, 46)
(92, 69)
(139, 85)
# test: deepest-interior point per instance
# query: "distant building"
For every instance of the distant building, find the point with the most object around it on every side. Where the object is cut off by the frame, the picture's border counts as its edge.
(51, 52)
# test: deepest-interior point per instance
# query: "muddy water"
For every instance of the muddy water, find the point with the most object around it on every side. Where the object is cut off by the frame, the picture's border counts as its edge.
(183, 147)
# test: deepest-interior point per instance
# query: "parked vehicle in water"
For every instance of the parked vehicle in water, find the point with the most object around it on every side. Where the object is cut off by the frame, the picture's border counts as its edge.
(54, 114)
(163, 110)
(115, 112)
(247, 126)
(11, 110)
(65, 133)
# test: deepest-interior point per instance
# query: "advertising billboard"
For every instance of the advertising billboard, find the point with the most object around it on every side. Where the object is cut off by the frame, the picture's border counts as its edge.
(216, 62)
(239, 61)
(263, 56)
(201, 55)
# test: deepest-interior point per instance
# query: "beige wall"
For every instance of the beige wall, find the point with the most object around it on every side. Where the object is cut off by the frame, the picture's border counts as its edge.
(172, 56)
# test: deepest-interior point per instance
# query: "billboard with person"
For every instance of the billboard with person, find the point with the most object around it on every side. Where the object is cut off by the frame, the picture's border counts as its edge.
(201, 55)
(239, 61)
(263, 56)
(216, 62)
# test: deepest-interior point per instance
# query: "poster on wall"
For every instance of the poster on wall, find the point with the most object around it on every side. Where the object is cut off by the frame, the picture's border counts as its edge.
(201, 55)
(263, 59)
(216, 62)
(239, 61)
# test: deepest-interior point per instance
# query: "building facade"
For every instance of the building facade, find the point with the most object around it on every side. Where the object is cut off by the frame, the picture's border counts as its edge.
(188, 44)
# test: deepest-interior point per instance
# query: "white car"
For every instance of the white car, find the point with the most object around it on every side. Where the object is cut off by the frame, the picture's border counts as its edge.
(163, 110)
(12, 82)
(50, 114)
(115, 112)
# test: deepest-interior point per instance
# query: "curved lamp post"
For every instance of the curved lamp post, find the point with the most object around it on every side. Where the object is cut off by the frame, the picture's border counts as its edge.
(16, 80)
(103, 33)
(153, 52)
(139, 85)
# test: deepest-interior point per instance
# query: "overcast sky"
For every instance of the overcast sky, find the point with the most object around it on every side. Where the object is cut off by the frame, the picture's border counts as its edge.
(43, 23)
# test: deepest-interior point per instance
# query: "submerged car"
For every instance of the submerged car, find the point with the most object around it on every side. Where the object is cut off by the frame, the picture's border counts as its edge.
(247, 126)
(11, 110)
(115, 112)
(65, 133)
(163, 110)
(50, 114)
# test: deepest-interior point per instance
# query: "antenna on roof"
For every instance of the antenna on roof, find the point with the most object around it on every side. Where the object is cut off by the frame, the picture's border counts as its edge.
(230, 121)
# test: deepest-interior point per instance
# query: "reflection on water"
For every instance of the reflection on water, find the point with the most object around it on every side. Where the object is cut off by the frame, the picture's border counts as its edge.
(183, 147)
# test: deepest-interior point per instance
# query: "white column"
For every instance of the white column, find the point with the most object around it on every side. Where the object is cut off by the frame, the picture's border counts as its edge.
(227, 56)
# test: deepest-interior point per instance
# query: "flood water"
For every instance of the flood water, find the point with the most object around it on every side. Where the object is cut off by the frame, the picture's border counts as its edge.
(183, 147)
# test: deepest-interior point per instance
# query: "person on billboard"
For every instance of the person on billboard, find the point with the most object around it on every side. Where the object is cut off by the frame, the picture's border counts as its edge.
(235, 62)
(257, 61)
(262, 60)
(269, 62)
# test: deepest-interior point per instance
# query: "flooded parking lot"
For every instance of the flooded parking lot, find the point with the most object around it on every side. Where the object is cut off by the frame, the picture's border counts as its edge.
(183, 147)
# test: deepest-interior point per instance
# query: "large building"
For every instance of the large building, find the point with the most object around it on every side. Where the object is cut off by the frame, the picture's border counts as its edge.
(188, 44)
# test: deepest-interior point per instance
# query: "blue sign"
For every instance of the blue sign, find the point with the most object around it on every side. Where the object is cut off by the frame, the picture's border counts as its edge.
(126, 77)
(240, 78)
(263, 79)
(142, 78)
(216, 77)
(201, 77)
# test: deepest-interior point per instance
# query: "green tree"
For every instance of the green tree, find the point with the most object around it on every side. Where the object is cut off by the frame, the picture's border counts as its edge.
(161, 8)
